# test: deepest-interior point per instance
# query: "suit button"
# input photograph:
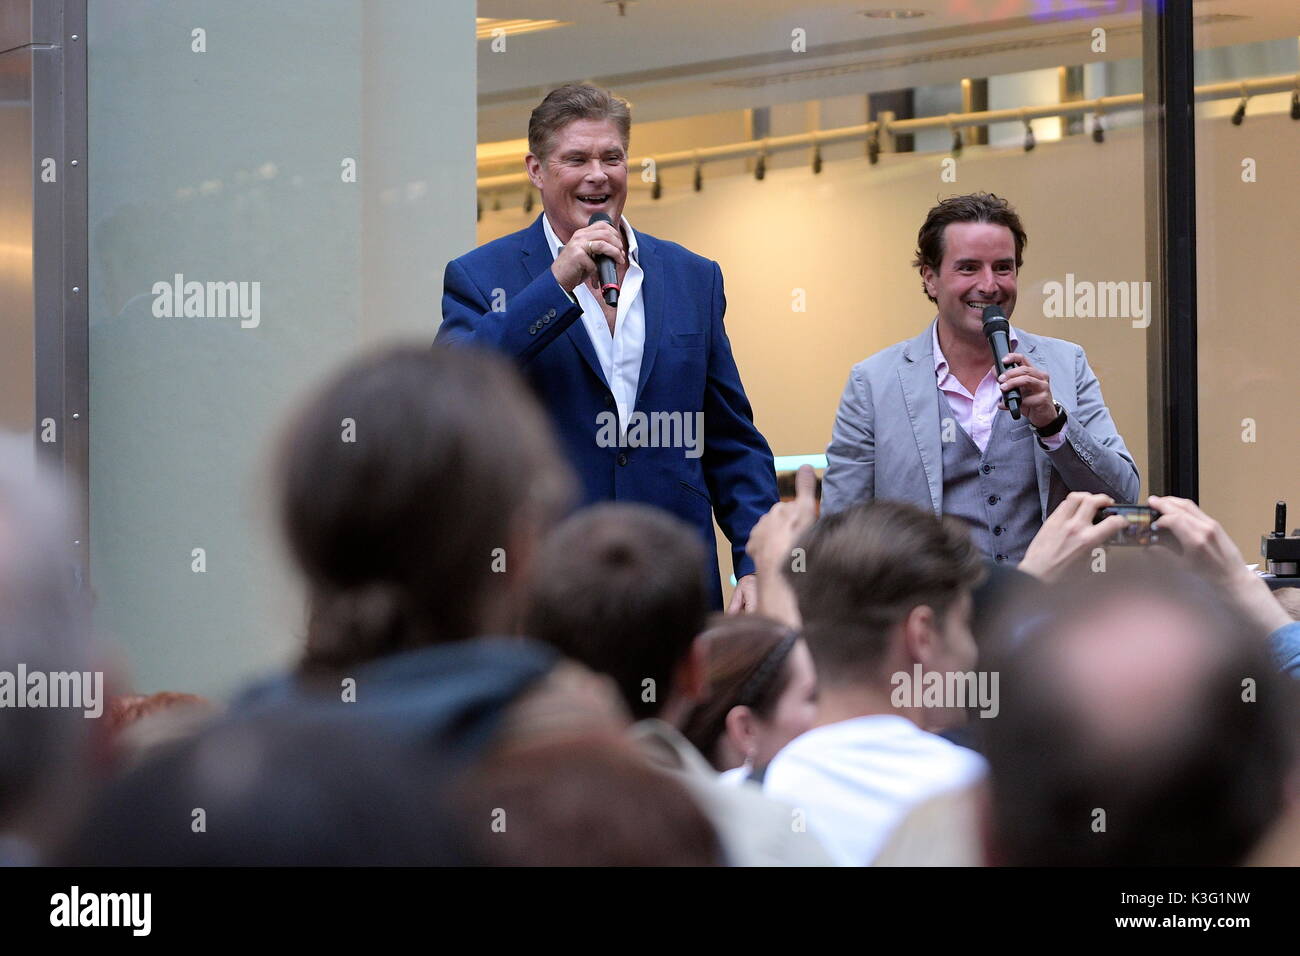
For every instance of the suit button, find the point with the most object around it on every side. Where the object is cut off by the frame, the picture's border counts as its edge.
(547, 320)
(532, 330)
(986, 468)
(550, 313)
(998, 529)
(1000, 557)
(622, 458)
(994, 499)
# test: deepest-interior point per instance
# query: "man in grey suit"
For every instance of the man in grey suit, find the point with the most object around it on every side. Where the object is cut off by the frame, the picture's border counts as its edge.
(923, 421)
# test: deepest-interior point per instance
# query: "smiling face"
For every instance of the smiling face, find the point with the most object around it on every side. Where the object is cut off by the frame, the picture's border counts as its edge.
(978, 269)
(584, 172)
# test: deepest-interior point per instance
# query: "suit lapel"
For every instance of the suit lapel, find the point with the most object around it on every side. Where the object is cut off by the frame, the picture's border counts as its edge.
(536, 257)
(652, 303)
(916, 376)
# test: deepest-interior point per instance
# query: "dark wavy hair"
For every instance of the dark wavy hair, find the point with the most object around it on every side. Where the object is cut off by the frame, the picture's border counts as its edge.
(398, 483)
(974, 207)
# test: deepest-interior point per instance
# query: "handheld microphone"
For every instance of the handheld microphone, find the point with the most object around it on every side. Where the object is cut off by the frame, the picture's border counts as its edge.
(997, 330)
(606, 266)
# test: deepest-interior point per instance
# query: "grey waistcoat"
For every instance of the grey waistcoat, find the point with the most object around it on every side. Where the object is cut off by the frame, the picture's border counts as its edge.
(996, 493)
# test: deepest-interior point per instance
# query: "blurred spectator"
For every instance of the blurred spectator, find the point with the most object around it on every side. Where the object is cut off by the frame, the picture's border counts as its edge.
(624, 593)
(281, 788)
(1289, 598)
(142, 723)
(583, 801)
(760, 693)
(1209, 550)
(885, 601)
(1142, 724)
(414, 486)
(49, 755)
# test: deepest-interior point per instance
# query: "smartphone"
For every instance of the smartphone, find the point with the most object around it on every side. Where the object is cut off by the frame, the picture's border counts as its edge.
(1137, 528)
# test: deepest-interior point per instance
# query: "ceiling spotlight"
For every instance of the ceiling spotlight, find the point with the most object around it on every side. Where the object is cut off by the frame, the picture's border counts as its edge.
(760, 168)
(528, 201)
(1239, 114)
(873, 147)
(1098, 130)
(1030, 142)
(817, 159)
(699, 176)
(957, 143)
(657, 189)
(1295, 105)
(479, 216)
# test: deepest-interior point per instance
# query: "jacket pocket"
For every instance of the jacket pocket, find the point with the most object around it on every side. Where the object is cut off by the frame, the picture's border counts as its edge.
(696, 491)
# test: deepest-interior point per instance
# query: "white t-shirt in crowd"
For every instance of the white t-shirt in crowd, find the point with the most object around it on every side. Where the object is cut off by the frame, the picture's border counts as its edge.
(856, 779)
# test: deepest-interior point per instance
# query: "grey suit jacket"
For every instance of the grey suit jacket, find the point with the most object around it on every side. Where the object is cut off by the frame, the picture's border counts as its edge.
(886, 440)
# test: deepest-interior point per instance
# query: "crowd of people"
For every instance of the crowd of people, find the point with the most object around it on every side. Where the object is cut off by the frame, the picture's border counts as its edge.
(488, 676)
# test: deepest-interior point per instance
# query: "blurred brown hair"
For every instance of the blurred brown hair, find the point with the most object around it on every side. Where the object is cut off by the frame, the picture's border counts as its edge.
(396, 524)
(624, 593)
(583, 801)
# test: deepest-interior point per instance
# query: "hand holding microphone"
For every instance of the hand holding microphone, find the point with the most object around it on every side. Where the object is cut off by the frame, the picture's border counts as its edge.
(998, 331)
(1027, 388)
(581, 257)
(605, 265)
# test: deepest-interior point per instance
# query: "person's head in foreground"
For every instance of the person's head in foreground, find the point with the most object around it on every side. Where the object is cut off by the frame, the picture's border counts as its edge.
(760, 693)
(623, 591)
(886, 592)
(46, 752)
(589, 800)
(413, 487)
(1142, 723)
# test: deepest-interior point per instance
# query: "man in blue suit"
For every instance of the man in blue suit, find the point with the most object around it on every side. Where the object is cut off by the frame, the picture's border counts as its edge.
(645, 395)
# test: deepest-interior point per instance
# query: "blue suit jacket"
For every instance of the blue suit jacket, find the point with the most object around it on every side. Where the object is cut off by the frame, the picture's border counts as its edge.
(687, 367)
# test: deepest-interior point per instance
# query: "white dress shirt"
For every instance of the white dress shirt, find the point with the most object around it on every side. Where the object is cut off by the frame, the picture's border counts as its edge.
(977, 413)
(619, 354)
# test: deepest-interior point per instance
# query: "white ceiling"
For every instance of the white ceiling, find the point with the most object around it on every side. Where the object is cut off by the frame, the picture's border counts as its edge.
(686, 57)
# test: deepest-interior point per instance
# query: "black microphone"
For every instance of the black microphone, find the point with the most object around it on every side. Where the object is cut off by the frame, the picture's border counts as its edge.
(606, 266)
(998, 330)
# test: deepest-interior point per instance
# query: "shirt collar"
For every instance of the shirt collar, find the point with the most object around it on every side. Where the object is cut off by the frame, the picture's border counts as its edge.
(941, 363)
(553, 240)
